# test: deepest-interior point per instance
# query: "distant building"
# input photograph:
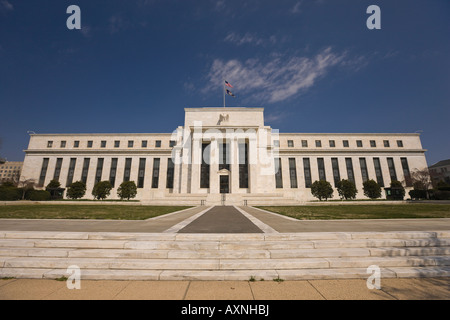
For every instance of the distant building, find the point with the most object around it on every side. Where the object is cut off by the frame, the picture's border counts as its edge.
(440, 171)
(10, 171)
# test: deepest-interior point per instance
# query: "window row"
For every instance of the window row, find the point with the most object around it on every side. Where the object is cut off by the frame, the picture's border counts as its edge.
(345, 143)
(336, 171)
(87, 166)
(116, 143)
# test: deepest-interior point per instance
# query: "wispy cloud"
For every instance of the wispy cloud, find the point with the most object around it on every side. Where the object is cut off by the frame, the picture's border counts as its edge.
(7, 5)
(249, 38)
(275, 80)
(296, 7)
(116, 24)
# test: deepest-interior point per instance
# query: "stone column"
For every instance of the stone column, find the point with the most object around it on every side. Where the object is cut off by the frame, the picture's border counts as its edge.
(252, 165)
(214, 167)
(196, 160)
(234, 166)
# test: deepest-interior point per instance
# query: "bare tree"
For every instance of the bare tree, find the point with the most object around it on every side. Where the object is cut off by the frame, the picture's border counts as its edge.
(421, 179)
(25, 184)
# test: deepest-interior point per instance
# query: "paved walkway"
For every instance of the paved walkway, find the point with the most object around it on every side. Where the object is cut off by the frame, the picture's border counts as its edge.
(225, 219)
(353, 289)
(221, 219)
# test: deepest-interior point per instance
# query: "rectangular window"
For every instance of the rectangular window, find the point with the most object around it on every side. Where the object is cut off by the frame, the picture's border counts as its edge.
(43, 172)
(345, 143)
(336, 173)
(84, 173)
(98, 172)
(307, 172)
(350, 173)
(276, 143)
(243, 165)
(378, 172)
(158, 143)
(293, 173)
(170, 173)
(116, 144)
(76, 143)
(103, 144)
(57, 172)
(373, 143)
(359, 143)
(386, 143)
(89, 144)
(278, 174)
(49, 144)
(144, 144)
(406, 172)
(400, 143)
(304, 143)
(204, 167)
(126, 173)
(72, 163)
(63, 144)
(130, 143)
(141, 173)
(112, 172)
(290, 143)
(321, 167)
(155, 175)
(318, 143)
(172, 143)
(224, 161)
(364, 172)
(332, 143)
(391, 167)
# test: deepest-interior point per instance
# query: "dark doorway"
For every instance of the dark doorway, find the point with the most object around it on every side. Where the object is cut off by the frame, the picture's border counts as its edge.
(224, 184)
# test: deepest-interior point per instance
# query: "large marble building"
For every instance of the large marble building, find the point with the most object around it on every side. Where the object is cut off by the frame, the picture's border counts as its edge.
(223, 155)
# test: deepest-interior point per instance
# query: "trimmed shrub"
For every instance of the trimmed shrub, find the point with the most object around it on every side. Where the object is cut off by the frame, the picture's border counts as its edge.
(371, 189)
(39, 195)
(346, 189)
(322, 190)
(76, 190)
(418, 194)
(101, 189)
(127, 189)
(8, 193)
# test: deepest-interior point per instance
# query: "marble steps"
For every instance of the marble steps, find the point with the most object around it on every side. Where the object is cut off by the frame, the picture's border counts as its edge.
(133, 256)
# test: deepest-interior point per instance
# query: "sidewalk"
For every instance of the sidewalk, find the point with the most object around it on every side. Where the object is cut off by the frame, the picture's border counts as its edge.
(352, 289)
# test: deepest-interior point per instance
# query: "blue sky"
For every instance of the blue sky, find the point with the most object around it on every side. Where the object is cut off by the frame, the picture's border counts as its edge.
(312, 64)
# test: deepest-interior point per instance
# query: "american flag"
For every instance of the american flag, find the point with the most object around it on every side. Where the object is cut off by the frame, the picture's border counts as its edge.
(228, 84)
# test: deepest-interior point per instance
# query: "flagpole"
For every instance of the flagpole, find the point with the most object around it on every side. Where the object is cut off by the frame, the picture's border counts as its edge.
(224, 93)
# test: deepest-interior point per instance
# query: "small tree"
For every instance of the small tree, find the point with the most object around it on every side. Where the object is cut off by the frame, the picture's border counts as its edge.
(101, 190)
(398, 185)
(322, 190)
(127, 189)
(76, 190)
(55, 190)
(372, 189)
(346, 189)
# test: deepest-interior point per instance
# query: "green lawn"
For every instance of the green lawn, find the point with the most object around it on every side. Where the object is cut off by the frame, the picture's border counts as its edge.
(62, 211)
(378, 211)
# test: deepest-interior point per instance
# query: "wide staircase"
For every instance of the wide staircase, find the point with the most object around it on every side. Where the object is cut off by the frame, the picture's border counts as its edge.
(172, 256)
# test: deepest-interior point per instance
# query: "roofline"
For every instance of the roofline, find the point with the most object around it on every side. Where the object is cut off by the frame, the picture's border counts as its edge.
(200, 109)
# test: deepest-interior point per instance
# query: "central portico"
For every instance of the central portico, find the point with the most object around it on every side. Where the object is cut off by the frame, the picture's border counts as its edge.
(223, 151)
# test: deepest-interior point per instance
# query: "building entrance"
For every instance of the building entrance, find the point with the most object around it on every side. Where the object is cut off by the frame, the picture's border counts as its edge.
(224, 184)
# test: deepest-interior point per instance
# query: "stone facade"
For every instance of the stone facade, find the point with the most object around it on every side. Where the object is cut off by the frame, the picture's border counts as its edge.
(222, 154)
